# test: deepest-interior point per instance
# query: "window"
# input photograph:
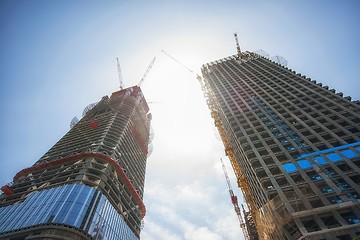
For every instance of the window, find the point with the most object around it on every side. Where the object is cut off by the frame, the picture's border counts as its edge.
(315, 177)
(277, 134)
(334, 157)
(335, 200)
(349, 153)
(327, 189)
(289, 167)
(304, 164)
(344, 237)
(319, 160)
(343, 185)
(352, 219)
(311, 225)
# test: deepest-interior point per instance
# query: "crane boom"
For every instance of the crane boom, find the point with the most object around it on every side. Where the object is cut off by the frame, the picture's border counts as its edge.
(119, 74)
(234, 201)
(146, 72)
(178, 61)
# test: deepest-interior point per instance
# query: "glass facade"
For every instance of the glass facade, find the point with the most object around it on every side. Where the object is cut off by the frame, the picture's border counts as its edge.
(337, 154)
(74, 205)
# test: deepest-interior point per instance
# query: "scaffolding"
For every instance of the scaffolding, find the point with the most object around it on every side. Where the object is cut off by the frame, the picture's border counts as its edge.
(271, 217)
(241, 179)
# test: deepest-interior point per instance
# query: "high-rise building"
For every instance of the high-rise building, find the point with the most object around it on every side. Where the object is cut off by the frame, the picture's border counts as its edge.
(90, 184)
(294, 146)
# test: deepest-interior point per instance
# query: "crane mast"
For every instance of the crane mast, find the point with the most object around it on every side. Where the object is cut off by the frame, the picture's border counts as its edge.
(119, 74)
(234, 201)
(237, 45)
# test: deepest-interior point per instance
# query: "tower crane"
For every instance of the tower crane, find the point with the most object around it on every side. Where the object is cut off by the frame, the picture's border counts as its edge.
(146, 72)
(234, 201)
(142, 79)
(177, 61)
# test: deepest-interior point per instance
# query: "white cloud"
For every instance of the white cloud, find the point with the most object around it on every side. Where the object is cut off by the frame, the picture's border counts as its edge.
(202, 233)
(157, 232)
(228, 225)
(189, 229)
(198, 208)
(193, 193)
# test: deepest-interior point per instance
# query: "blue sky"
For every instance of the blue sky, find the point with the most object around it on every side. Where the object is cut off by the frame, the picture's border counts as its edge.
(58, 56)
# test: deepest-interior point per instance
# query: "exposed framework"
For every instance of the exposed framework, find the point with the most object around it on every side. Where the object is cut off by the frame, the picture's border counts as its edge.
(270, 220)
(241, 180)
(273, 217)
(340, 190)
(106, 151)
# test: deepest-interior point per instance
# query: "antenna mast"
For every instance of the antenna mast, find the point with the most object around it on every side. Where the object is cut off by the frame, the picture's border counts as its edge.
(237, 45)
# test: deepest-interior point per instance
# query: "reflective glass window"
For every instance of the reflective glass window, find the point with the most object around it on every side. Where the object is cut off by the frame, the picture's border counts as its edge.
(319, 160)
(335, 200)
(327, 189)
(304, 164)
(67, 204)
(334, 157)
(349, 153)
(289, 167)
(352, 219)
(315, 177)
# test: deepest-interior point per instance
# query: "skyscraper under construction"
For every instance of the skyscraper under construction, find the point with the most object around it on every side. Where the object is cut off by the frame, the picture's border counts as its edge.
(90, 184)
(294, 146)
